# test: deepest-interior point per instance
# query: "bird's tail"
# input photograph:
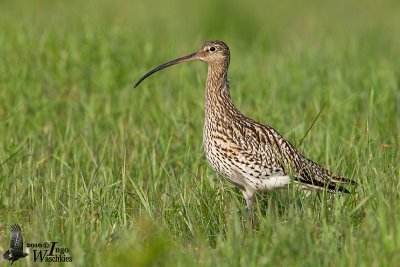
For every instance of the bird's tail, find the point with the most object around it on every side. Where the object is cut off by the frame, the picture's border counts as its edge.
(315, 176)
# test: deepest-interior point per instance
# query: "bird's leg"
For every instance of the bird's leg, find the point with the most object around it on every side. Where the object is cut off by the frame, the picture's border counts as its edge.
(249, 197)
(250, 210)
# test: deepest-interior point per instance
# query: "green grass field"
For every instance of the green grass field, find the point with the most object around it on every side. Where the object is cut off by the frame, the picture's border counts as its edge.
(118, 175)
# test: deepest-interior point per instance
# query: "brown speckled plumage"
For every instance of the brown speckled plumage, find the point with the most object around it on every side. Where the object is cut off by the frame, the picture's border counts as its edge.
(252, 156)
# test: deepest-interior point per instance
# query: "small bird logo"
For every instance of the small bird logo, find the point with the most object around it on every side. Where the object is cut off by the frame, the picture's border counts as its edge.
(16, 245)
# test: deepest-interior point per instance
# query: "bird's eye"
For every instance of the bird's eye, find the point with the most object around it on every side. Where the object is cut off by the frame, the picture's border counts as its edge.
(212, 49)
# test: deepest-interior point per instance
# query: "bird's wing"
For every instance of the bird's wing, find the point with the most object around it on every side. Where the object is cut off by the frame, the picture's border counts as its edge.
(16, 238)
(254, 151)
(305, 170)
(283, 157)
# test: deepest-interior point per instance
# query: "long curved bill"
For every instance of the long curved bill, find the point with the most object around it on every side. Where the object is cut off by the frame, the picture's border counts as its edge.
(191, 57)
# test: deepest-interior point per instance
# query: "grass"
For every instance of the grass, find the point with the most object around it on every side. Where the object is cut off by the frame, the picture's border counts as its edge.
(118, 175)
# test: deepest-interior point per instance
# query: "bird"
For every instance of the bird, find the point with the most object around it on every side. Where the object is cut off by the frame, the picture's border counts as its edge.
(16, 245)
(253, 156)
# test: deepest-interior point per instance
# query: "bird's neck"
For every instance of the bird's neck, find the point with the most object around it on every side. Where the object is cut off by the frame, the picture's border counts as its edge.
(218, 101)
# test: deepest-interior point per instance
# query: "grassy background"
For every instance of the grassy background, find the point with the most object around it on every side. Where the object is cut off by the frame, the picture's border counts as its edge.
(118, 175)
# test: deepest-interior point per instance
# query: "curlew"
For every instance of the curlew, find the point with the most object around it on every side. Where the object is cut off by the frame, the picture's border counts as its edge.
(252, 156)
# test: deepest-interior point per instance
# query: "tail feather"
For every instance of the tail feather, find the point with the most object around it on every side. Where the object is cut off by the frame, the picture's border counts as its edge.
(342, 180)
(331, 187)
(314, 175)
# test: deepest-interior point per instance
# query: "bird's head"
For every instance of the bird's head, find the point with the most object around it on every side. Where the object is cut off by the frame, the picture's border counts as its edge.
(212, 52)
